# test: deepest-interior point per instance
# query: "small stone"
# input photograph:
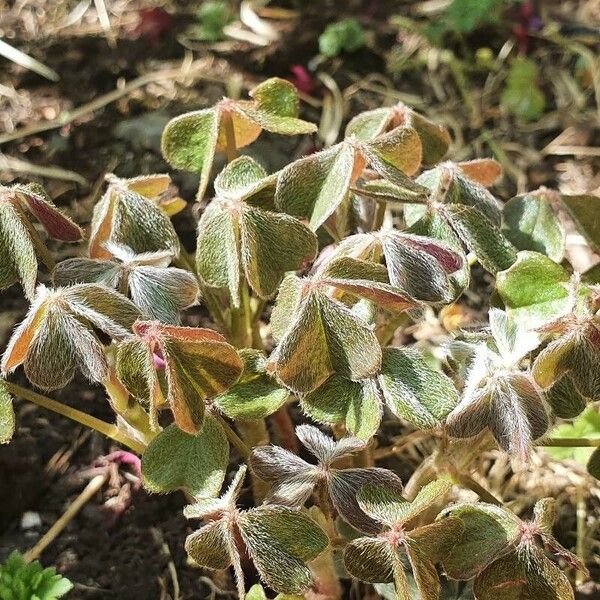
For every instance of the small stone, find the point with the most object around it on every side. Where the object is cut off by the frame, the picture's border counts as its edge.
(31, 520)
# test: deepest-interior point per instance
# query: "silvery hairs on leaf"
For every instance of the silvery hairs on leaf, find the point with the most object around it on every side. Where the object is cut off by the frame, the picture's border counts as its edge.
(190, 141)
(57, 335)
(318, 336)
(506, 555)
(294, 480)
(198, 364)
(419, 267)
(18, 204)
(315, 186)
(279, 540)
(129, 213)
(370, 124)
(465, 210)
(238, 238)
(498, 394)
(381, 559)
(411, 388)
(159, 291)
(7, 415)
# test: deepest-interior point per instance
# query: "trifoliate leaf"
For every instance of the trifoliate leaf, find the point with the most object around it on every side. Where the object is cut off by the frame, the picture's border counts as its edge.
(57, 336)
(197, 463)
(211, 546)
(256, 395)
(129, 214)
(7, 415)
(534, 289)
(584, 211)
(370, 560)
(531, 224)
(190, 141)
(413, 390)
(315, 186)
(159, 292)
(355, 404)
(521, 575)
(324, 338)
(233, 235)
(522, 97)
(488, 532)
(198, 364)
(370, 124)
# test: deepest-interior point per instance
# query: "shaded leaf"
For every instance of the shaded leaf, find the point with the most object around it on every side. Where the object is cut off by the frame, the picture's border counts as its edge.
(369, 560)
(210, 546)
(564, 398)
(175, 459)
(584, 211)
(593, 465)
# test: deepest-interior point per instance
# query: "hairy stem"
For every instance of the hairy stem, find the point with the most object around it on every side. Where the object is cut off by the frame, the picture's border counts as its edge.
(254, 433)
(569, 442)
(107, 429)
(468, 482)
(233, 437)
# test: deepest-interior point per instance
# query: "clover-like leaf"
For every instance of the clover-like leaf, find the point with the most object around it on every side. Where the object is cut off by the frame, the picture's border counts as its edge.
(294, 479)
(236, 238)
(522, 95)
(593, 465)
(530, 223)
(57, 336)
(197, 463)
(190, 141)
(583, 209)
(466, 210)
(535, 289)
(415, 391)
(256, 395)
(159, 291)
(488, 533)
(18, 237)
(381, 559)
(315, 186)
(129, 214)
(565, 399)
(198, 364)
(355, 404)
(523, 575)
(280, 542)
(373, 123)
(322, 337)
(7, 415)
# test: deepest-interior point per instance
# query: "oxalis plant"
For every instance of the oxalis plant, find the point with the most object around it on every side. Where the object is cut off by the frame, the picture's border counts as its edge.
(311, 275)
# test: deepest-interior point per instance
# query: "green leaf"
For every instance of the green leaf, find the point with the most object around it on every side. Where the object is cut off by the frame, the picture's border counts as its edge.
(355, 404)
(280, 542)
(522, 97)
(370, 560)
(189, 143)
(212, 17)
(523, 575)
(256, 592)
(211, 547)
(18, 261)
(593, 465)
(488, 532)
(197, 463)
(584, 426)
(7, 415)
(277, 96)
(344, 36)
(584, 211)
(531, 224)
(565, 399)
(492, 249)
(413, 390)
(325, 337)
(314, 186)
(241, 179)
(467, 15)
(534, 289)
(256, 395)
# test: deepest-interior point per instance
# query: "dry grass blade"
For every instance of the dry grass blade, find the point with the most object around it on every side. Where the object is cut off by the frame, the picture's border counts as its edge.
(27, 61)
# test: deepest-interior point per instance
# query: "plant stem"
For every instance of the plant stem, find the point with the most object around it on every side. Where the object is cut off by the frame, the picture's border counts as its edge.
(468, 482)
(570, 442)
(233, 437)
(107, 429)
(285, 429)
(231, 148)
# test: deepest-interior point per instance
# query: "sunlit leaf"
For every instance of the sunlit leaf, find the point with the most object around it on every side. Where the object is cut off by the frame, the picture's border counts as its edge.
(522, 97)
(531, 224)
(7, 415)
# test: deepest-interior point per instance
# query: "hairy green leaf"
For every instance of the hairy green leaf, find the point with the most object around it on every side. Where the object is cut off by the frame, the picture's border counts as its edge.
(584, 211)
(7, 415)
